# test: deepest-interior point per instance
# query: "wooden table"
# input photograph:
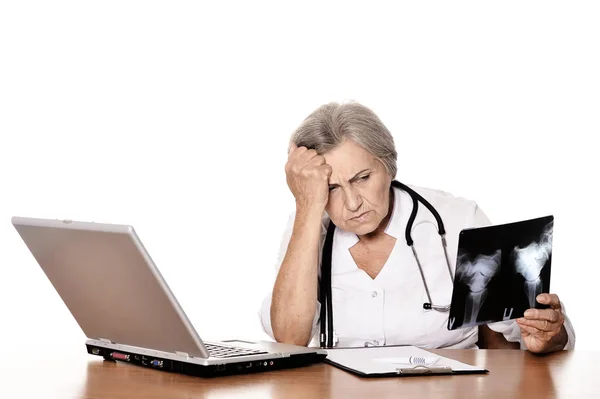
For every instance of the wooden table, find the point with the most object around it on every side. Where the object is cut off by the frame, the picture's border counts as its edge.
(513, 373)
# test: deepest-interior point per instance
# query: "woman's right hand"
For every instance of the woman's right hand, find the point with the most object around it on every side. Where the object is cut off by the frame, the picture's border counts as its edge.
(307, 176)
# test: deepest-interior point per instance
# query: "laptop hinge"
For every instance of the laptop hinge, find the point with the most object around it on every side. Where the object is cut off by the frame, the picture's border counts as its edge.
(106, 341)
(182, 354)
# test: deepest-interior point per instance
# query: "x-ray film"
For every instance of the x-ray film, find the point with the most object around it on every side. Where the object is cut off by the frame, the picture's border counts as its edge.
(500, 270)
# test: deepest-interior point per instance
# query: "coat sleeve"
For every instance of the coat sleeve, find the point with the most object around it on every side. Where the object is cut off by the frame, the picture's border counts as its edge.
(510, 329)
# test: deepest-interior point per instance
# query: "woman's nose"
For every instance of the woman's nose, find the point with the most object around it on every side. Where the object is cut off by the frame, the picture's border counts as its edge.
(353, 200)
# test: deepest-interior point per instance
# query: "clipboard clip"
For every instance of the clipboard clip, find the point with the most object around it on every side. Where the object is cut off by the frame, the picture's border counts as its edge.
(420, 369)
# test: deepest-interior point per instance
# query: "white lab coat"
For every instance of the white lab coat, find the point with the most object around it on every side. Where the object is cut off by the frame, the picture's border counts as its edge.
(388, 310)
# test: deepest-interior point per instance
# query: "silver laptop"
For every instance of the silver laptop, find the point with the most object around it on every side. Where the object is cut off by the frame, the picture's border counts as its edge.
(125, 308)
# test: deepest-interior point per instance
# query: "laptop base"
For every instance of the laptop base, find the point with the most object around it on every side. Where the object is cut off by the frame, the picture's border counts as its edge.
(174, 366)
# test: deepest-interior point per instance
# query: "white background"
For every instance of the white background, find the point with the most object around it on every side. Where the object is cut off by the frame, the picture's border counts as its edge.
(174, 117)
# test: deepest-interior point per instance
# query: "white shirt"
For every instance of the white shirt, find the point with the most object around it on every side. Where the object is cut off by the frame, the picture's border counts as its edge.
(388, 310)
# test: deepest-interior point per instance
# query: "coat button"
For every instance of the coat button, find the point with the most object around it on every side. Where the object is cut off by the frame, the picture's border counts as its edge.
(374, 294)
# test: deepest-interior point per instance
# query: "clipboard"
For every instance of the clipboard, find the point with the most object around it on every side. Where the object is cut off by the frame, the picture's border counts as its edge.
(371, 362)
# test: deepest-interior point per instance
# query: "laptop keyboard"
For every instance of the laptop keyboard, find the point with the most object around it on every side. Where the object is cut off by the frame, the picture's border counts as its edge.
(230, 351)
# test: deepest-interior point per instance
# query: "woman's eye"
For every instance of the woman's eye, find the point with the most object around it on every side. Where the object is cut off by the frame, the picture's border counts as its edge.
(331, 188)
(365, 177)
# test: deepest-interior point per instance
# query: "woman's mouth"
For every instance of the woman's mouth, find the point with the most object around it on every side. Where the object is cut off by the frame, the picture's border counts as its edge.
(362, 217)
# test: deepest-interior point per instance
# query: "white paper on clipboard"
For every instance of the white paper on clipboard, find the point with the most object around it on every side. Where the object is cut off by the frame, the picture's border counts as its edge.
(384, 360)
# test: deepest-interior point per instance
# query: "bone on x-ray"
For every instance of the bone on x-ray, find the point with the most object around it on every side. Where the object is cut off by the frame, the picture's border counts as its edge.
(530, 260)
(476, 275)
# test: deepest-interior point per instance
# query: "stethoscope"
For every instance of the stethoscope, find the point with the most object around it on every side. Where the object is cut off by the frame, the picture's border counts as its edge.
(327, 336)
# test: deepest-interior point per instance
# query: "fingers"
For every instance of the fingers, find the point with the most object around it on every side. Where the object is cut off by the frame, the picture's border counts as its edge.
(322, 171)
(530, 330)
(302, 157)
(301, 154)
(549, 299)
(292, 147)
(294, 151)
(551, 315)
(308, 163)
(307, 156)
(326, 170)
(548, 320)
(540, 325)
(315, 162)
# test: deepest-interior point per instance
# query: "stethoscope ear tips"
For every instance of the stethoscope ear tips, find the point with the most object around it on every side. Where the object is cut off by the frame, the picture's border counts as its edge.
(427, 306)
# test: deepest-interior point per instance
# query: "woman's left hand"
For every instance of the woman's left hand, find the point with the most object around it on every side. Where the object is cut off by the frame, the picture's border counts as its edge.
(543, 329)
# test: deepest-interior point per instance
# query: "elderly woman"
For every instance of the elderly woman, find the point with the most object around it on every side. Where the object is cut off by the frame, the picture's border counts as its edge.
(350, 218)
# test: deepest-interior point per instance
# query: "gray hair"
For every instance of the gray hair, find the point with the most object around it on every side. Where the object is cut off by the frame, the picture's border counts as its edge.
(328, 126)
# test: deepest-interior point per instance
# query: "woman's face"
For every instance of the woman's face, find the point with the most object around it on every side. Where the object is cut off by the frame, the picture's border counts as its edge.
(359, 189)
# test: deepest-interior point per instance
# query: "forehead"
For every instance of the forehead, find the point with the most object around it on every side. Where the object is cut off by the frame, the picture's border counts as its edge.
(349, 157)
